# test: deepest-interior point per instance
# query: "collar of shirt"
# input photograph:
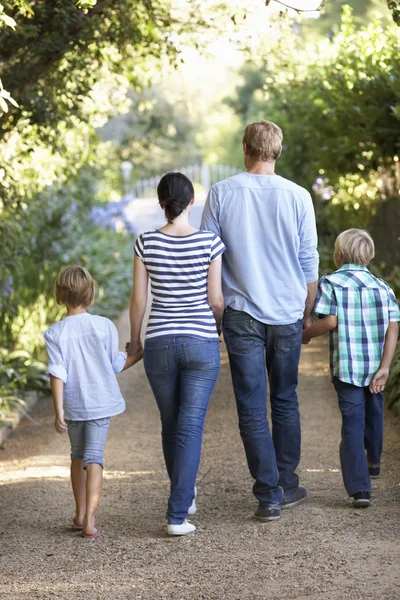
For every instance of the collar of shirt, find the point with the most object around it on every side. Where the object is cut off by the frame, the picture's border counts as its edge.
(351, 267)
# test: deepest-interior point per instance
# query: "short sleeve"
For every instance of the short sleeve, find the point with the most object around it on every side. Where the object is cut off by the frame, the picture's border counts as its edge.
(217, 248)
(325, 301)
(139, 247)
(56, 365)
(394, 312)
(117, 358)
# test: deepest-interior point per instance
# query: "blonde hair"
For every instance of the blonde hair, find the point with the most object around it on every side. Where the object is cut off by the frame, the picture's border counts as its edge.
(356, 246)
(74, 286)
(263, 141)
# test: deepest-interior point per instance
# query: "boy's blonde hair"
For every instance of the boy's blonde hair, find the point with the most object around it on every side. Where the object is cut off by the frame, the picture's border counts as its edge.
(74, 286)
(356, 247)
(263, 141)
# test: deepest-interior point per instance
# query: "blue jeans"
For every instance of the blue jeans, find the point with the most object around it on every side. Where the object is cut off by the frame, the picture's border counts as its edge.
(182, 372)
(88, 439)
(254, 349)
(362, 434)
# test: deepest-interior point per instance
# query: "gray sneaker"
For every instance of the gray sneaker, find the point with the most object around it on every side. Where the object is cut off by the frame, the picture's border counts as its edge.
(299, 496)
(267, 512)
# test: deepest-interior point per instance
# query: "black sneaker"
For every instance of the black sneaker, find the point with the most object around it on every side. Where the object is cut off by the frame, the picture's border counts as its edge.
(267, 512)
(374, 472)
(299, 496)
(361, 499)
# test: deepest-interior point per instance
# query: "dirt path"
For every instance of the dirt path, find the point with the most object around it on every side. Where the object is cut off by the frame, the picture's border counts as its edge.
(324, 550)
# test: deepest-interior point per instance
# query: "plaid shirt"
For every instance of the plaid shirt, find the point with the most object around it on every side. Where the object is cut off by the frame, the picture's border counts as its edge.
(364, 306)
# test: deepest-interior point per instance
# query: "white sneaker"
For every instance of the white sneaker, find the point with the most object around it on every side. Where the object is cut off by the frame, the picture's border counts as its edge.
(192, 508)
(182, 529)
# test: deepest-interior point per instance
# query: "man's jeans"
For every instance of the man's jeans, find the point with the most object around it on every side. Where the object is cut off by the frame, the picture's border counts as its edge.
(254, 347)
(182, 372)
(362, 430)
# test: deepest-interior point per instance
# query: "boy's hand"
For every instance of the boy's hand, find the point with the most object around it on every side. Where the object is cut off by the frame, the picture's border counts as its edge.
(378, 382)
(306, 337)
(60, 424)
(133, 348)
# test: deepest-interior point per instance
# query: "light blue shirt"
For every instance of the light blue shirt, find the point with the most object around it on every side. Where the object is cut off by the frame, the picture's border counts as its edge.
(267, 224)
(83, 353)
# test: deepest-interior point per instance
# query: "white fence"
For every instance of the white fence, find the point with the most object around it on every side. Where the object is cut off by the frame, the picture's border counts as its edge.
(205, 175)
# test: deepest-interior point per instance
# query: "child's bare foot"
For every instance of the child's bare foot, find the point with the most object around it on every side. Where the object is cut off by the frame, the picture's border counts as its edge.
(89, 527)
(77, 522)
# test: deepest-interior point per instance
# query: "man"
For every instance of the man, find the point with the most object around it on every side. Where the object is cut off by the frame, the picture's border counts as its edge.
(269, 277)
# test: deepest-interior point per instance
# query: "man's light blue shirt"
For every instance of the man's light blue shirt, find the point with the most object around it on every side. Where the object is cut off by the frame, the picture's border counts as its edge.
(267, 224)
(83, 353)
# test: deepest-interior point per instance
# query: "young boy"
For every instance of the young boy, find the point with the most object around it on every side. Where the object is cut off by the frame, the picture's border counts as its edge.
(361, 314)
(84, 359)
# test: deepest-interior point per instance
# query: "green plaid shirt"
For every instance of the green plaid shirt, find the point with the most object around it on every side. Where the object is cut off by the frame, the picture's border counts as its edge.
(364, 306)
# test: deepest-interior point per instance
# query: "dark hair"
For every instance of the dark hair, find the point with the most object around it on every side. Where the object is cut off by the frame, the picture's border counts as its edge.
(175, 191)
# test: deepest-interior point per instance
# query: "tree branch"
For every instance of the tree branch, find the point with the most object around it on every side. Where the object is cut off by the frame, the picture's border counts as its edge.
(268, 2)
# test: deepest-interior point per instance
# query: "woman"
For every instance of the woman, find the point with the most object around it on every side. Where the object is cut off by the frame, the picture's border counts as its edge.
(181, 354)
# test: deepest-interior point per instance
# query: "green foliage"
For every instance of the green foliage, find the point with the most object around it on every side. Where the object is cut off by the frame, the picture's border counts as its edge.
(393, 383)
(57, 231)
(394, 6)
(19, 372)
(338, 103)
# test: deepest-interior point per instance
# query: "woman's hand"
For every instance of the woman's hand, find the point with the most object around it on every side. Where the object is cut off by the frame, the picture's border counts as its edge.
(134, 347)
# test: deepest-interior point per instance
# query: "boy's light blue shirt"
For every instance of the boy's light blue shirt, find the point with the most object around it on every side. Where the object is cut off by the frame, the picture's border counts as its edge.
(267, 224)
(83, 353)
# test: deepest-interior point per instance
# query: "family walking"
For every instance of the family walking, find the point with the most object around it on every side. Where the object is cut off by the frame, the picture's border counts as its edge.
(250, 273)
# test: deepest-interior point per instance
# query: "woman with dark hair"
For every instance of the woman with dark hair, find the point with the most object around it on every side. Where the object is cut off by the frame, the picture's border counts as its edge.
(181, 353)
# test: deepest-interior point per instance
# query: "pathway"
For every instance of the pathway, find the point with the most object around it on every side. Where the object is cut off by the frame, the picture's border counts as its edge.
(324, 550)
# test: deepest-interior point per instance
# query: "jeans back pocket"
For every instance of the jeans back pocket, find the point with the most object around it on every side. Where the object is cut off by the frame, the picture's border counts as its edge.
(201, 355)
(156, 359)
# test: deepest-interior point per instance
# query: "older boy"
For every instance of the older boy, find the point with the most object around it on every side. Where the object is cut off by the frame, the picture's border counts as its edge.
(361, 314)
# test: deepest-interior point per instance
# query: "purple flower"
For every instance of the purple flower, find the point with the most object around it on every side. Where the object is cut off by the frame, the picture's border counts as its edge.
(8, 287)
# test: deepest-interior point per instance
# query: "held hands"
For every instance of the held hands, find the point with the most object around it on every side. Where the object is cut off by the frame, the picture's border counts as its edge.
(132, 348)
(60, 424)
(378, 382)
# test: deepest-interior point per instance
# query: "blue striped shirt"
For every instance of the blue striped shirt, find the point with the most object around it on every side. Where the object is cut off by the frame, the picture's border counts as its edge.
(178, 271)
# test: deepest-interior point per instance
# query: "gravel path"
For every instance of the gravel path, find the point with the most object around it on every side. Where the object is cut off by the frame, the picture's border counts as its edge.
(324, 550)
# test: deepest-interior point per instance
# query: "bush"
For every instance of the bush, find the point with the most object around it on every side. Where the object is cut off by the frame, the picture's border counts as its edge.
(19, 372)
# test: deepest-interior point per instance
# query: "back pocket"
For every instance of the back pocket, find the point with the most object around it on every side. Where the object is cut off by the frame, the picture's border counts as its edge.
(201, 355)
(156, 359)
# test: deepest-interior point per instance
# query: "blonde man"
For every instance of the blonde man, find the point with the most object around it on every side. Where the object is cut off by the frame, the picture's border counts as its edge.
(361, 314)
(269, 279)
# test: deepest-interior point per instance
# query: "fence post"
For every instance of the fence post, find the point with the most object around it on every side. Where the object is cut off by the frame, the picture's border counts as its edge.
(205, 177)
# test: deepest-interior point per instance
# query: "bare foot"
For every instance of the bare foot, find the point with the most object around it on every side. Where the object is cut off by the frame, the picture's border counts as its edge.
(89, 527)
(77, 522)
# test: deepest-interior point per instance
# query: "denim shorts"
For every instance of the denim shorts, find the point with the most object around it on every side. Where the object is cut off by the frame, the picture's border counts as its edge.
(88, 439)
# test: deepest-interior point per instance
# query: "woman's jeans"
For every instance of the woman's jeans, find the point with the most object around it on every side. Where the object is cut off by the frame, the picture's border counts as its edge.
(88, 439)
(362, 434)
(182, 372)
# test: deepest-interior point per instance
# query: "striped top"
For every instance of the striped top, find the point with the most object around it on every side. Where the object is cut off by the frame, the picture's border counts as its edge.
(364, 306)
(178, 270)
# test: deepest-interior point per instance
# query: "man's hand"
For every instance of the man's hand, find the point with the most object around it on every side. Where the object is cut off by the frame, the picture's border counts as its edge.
(133, 348)
(60, 424)
(307, 322)
(378, 382)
